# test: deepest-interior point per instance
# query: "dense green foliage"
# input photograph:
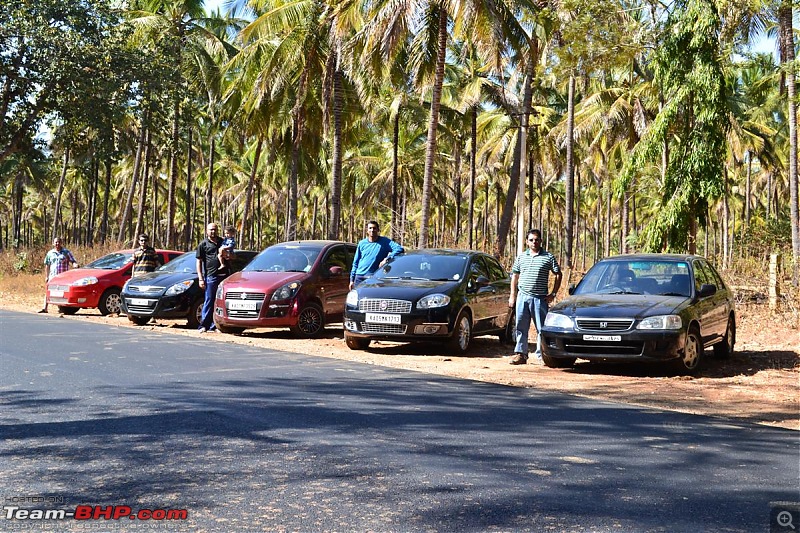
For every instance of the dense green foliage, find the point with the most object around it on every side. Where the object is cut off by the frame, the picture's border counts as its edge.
(306, 118)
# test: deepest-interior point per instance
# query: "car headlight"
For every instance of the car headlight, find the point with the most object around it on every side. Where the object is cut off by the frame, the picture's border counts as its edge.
(218, 296)
(352, 298)
(661, 322)
(287, 291)
(91, 280)
(433, 300)
(179, 288)
(557, 320)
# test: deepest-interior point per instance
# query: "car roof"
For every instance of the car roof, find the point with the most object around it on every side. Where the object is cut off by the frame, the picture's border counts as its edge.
(653, 257)
(443, 251)
(308, 243)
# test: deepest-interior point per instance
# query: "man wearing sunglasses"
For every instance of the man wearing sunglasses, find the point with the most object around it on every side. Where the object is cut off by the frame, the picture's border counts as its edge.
(531, 275)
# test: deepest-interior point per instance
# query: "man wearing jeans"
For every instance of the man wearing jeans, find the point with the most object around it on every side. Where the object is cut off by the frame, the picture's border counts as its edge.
(531, 274)
(209, 274)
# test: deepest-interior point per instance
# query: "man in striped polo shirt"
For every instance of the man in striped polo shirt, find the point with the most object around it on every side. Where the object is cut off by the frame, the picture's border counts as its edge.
(531, 274)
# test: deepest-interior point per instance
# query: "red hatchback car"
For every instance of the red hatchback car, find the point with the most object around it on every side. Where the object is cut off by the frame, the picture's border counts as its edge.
(97, 284)
(301, 285)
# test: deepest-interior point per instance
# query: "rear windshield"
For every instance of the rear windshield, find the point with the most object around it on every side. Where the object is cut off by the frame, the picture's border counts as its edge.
(113, 261)
(284, 258)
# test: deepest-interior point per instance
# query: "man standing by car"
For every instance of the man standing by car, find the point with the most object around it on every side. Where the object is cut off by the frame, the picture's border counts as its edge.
(371, 253)
(209, 274)
(145, 258)
(531, 274)
(56, 261)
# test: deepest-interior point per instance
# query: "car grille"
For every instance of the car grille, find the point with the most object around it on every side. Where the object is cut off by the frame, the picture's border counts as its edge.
(377, 305)
(244, 296)
(240, 295)
(384, 329)
(145, 309)
(59, 287)
(604, 324)
(143, 289)
(577, 347)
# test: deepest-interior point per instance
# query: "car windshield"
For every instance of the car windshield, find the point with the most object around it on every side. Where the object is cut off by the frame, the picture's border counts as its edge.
(112, 261)
(425, 267)
(665, 278)
(284, 258)
(183, 263)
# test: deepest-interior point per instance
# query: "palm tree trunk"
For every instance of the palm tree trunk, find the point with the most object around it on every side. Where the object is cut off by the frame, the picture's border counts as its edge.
(127, 212)
(472, 172)
(106, 197)
(787, 59)
(433, 123)
(187, 229)
(173, 173)
(143, 192)
(209, 196)
(395, 170)
(249, 196)
(59, 191)
(336, 156)
(457, 190)
(569, 198)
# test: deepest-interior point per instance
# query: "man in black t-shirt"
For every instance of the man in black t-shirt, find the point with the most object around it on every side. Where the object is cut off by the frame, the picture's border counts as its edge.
(209, 273)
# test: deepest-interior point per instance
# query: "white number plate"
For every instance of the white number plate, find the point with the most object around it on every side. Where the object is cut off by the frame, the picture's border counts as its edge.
(242, 306)
(56, 294)
(379, 318)
(139, 301)
(608, 338)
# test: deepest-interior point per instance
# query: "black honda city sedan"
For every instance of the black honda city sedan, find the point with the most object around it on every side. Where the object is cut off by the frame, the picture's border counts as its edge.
(431, 295)
(643, 307)
(171, 291)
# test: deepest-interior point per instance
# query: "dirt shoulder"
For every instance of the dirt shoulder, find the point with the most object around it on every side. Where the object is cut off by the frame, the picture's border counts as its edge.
(760, 383)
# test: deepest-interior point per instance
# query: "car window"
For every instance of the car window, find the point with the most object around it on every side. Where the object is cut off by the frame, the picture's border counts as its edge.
(478, 268)
(113, 261)
(713, 271)
(284, 258)
(183, 263)
(425, 266)
(240, 260)
(495, 269)
(636, 277)
(702, 275)
(338, 257)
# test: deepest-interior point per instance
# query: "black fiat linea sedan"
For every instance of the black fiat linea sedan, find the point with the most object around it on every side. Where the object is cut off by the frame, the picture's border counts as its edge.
(431, 295)
(644, 307)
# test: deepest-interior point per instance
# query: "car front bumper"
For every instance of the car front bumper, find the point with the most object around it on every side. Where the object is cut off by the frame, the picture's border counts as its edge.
(74, 296)
(157, 306)
(430, 325)
(636, 345)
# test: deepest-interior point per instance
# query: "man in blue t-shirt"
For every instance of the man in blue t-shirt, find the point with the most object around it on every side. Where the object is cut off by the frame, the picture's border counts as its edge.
(371, 253)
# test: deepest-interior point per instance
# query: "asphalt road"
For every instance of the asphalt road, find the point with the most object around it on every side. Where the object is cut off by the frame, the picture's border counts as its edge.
(248, 439)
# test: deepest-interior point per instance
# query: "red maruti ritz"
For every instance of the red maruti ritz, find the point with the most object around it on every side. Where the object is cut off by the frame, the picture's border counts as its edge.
(301, 285)
(97, 284)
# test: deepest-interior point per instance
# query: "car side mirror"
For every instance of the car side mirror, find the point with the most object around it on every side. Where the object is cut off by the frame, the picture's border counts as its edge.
(336, 270)
(707, 289)
(482, 281)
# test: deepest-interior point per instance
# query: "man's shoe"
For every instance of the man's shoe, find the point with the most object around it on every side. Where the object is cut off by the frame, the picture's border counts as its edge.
(537, 361)
(518, 359)
(42, 311)
(202, 330)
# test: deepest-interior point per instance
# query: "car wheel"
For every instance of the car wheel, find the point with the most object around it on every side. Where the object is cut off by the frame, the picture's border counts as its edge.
(310, 321)
(462, 334)
(228, 329)
(692, 356)
(724, 349)
(139, 320)
(195, 315)
(507, 336)
(110, 302)
(356, 343)
(558, 362)
(64, 310)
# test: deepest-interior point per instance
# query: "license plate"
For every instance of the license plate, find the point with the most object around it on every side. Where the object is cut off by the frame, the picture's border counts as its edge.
(141, 302)
(242, 306)
(378, 318)
(606, 338)
(56, 294)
